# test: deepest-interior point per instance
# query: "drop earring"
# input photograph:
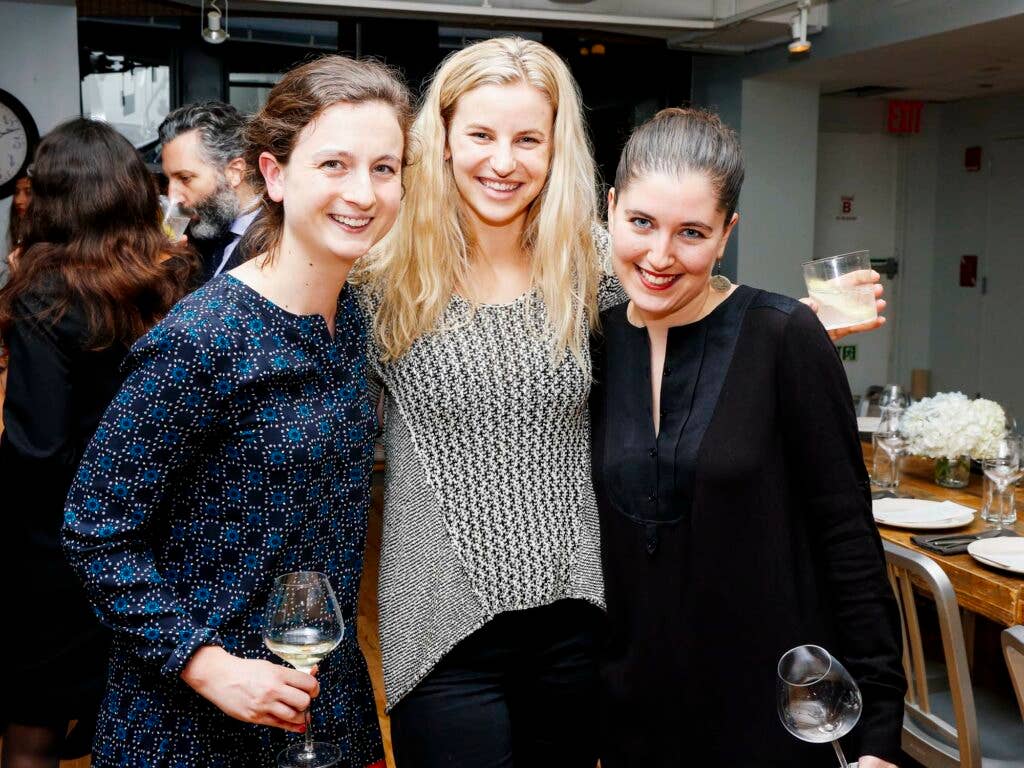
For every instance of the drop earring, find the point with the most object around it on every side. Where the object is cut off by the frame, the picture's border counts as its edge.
(720, 282)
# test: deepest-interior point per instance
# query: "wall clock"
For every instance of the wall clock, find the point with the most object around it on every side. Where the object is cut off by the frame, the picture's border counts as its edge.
(18, 139)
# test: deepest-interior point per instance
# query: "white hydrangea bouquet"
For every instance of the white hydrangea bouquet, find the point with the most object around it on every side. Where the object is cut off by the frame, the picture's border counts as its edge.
(952, 428)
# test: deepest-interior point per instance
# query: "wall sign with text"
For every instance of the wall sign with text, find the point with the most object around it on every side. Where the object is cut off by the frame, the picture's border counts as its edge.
(846, 209)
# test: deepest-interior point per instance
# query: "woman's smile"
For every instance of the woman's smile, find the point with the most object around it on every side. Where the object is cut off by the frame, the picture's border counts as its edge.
(656, 281)
(352, 224)
(499, 189)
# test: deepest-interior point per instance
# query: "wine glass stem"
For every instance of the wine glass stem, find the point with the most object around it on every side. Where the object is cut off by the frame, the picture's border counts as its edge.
(308, 751)
(839, 754)
(1001, 507)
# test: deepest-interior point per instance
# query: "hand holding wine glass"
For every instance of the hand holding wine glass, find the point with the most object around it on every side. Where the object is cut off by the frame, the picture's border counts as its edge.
(302, 624)
(869, 761)
(818, 700)
(251, 690)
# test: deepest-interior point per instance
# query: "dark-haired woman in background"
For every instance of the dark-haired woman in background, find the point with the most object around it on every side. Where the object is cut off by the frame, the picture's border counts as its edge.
(95, 271)
(19, 208)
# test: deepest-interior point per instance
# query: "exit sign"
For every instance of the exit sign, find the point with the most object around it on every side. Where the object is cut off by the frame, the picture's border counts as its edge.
(848, 353)
(904, 116)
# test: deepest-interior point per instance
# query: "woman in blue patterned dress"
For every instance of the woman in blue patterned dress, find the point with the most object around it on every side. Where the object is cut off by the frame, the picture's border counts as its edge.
(240, 447)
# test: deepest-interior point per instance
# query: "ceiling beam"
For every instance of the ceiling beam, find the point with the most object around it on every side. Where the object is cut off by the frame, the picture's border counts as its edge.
(487, 12)
(758, 10)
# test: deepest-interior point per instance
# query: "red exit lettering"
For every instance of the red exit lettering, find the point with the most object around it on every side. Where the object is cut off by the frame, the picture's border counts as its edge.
(904, 116)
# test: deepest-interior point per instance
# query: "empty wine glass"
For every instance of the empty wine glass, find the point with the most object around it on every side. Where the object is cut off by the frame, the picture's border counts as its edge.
(893, 395)
(989, 505)
(889, 443)
(302, 624)
(1003, 468)
(818, 700)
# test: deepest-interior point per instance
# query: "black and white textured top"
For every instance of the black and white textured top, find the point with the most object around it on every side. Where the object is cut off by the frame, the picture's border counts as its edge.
(488, 500)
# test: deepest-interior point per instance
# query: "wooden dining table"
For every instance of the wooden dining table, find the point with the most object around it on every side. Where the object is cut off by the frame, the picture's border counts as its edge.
(997, 595)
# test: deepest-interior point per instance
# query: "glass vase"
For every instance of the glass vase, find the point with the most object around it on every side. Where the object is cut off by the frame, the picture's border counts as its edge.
(953, 472)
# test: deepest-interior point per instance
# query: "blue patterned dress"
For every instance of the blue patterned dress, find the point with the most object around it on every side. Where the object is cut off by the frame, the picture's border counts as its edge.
(239, 448)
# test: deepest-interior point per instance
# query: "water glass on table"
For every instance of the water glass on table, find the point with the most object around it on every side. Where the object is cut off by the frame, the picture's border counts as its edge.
(302, 624)
(990, 503)
(842, 288)
(817, 699)
(1004, 469)
(889, 443)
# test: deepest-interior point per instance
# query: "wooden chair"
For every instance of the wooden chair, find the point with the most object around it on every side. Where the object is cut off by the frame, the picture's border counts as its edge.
(929, 737)
(1013, 650)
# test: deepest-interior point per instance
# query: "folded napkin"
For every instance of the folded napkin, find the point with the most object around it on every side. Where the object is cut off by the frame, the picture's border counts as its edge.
(903, 511)
(956, 543)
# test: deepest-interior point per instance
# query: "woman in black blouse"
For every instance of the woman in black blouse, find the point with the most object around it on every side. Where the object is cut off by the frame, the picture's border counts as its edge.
(734, 503)
(94, 272)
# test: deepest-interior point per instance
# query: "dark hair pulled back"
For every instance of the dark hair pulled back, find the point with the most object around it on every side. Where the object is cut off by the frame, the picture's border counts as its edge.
(685, 140)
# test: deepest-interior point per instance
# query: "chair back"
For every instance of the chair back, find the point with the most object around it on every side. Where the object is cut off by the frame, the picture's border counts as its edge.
(1013, 650)
(928, 738)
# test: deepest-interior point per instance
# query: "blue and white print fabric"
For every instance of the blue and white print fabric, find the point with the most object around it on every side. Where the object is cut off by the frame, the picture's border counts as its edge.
(239, 448)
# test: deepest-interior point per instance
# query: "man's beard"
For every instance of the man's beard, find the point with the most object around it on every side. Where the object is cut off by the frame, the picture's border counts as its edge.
(215, 213)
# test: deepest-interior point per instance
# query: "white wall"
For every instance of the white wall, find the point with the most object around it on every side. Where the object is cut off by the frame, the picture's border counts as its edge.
(780, 147)
(912, 171)
(942, 212)
(962, 227)
(720, 81)
(39, 64)
(861, 166)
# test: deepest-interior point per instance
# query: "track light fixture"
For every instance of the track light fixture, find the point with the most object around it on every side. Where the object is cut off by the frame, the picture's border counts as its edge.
(216, 25)
(800, 44)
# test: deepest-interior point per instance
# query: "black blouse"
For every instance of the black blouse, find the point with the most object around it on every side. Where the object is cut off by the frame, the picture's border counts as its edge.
(743, 529)
(650, 477)
(57, 390)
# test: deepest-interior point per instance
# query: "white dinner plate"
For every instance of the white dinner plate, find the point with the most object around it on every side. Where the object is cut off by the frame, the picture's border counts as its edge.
(1006, 552)
(866, 425)
(921, 514)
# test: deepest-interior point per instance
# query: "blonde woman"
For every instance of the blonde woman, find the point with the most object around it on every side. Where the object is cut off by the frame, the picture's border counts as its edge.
(490, 583)
(483, 301)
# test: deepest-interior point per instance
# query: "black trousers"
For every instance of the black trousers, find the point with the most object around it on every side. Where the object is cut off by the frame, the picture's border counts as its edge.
(520, 692)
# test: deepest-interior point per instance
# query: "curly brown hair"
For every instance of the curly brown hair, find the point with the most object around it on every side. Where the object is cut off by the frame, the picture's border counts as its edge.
(94, 238)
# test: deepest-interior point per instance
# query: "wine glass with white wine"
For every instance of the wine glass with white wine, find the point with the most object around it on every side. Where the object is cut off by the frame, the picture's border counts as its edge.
(818, 700)
(302, 624)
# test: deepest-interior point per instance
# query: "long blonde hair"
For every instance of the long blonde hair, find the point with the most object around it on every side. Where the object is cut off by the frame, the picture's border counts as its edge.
(427, 255)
